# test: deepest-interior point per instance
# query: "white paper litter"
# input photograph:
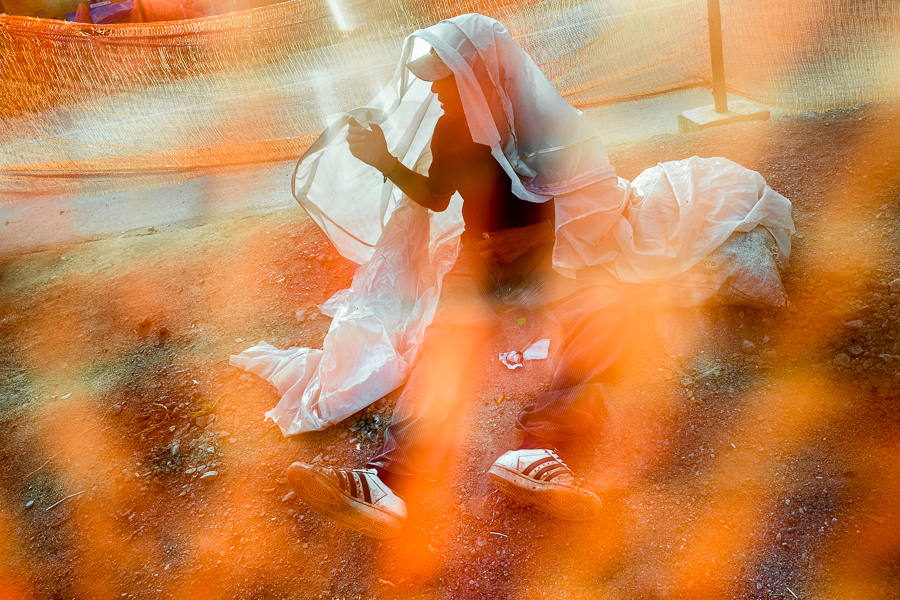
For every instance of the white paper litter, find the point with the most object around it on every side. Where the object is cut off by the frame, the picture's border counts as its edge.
(537, 351)
(515, 359)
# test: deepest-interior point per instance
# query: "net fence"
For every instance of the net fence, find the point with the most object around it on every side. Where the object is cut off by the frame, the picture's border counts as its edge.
(95, 109)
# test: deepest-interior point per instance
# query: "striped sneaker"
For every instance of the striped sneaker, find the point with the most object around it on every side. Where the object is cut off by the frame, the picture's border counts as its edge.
(355, 498)
(541, 479)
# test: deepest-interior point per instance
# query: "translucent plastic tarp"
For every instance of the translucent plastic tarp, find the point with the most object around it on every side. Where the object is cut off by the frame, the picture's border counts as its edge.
(648, 231)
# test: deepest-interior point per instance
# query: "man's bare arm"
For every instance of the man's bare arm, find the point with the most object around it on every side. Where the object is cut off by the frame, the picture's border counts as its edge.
(369, 146)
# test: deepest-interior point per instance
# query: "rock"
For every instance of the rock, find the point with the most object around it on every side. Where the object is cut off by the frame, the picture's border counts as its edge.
(289, 496)
(771, 353)
(748, 347)
(29, 504)
(841, 360)
(895, 286)
(858, 309)
(856, 350)
(209, 476)
(117, 410)
(301, 315)
(886, 358)
(854, 324)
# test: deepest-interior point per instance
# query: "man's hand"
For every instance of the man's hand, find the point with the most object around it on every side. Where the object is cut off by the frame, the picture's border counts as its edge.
(509, 244)
(368, 145)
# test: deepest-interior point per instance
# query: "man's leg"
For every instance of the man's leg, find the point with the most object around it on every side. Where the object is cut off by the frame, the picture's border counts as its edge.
(424, 419)
(423, 427)
(597, 324)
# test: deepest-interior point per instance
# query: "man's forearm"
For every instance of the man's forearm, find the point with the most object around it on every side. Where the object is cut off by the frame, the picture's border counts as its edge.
(415, 185)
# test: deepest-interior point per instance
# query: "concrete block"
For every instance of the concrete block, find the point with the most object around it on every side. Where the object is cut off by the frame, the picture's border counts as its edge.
(706, 116)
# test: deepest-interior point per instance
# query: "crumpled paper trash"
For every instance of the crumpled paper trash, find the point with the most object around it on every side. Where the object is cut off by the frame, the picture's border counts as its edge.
(536, 351)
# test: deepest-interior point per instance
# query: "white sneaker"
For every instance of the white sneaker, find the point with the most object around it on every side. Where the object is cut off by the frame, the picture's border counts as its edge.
(355, 498)
(541, 479)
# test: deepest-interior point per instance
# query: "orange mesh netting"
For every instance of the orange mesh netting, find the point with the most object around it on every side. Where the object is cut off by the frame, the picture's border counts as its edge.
(93, 108)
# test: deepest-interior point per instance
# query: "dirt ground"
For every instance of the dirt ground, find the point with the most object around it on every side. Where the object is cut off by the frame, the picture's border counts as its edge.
(746, 454)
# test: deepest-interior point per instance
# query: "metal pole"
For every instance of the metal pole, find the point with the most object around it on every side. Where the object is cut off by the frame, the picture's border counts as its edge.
(715, 53)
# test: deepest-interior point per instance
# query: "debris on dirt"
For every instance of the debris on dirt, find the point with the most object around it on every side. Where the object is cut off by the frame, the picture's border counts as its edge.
(724, 473)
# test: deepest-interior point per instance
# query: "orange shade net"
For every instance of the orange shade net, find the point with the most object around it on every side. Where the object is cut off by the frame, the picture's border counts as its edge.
(98, 108)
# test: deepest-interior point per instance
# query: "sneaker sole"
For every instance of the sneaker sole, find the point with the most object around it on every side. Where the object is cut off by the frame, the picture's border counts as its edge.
(562, 502)
(326, 499)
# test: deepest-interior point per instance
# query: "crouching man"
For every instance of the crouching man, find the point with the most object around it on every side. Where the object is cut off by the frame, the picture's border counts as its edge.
(505, 259)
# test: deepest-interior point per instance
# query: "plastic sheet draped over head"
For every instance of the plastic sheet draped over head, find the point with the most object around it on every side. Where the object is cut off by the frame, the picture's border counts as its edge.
(643, 234)
(673, 216)
(541, 142)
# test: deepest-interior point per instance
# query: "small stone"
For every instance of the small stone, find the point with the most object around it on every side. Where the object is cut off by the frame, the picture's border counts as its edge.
(29, 504)
(771, 353)
(163, 331)
(748, 347)
(766, 339)
(238, 340)
(856, 350)
(117, 410)
(200, 421)
(886, 358)
(289, 496)
(841, 360)
(189, 471)
(854, 324)
(209, 476)
(301, 316)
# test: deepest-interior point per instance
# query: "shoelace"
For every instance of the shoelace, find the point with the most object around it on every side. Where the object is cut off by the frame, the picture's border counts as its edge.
(550, 467)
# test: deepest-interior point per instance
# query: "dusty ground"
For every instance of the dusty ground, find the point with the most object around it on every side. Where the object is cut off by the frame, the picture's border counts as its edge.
(728, 469)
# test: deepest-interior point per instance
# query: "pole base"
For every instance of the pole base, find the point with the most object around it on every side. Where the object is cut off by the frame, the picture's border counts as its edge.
(705, 117)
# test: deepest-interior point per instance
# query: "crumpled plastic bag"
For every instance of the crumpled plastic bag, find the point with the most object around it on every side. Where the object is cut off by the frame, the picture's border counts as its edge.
(376, 331)
(743, 271)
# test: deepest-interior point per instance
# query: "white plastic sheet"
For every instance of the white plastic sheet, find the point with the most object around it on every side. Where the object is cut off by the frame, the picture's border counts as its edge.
(376, 330)
(666, 221)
